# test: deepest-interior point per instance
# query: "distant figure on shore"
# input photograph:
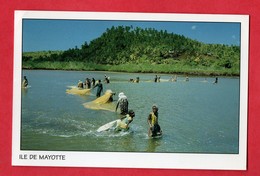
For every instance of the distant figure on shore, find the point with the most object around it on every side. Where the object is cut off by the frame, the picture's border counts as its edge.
(99, 89)
(216, 80)
(25, 82)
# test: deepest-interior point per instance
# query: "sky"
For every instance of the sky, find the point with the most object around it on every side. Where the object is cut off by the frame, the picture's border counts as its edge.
(46, 35)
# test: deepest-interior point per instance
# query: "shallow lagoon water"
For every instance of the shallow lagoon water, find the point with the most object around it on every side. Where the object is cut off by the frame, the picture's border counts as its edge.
(195, 116)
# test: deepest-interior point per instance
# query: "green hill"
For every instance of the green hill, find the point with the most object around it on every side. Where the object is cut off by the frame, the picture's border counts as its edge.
(129, 49)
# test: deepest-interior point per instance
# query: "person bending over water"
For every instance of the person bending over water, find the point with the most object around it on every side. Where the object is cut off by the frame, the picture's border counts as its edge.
(124, 122)
(25, 82)
(154, 127)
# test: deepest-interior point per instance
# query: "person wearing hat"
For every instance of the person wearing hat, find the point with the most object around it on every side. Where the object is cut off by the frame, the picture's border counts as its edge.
(124, 122)
(122, 102)
(154, 127)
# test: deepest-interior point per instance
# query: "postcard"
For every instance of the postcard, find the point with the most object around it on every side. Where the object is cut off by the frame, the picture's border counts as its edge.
(130, 90)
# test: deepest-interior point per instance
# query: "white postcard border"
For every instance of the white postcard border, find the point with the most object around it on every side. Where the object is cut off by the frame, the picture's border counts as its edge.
(131, 160)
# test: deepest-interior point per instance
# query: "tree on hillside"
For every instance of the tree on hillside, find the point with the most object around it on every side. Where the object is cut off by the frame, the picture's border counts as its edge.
(125, 44)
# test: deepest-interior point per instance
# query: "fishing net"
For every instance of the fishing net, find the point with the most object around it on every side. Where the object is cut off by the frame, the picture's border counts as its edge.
(102, 103)
(78, 91)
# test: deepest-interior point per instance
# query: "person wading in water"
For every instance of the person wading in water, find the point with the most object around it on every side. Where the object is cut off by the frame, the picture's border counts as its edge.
(154, 127)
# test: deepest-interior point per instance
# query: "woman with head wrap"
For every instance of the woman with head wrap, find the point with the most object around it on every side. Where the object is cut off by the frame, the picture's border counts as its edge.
(122, 103)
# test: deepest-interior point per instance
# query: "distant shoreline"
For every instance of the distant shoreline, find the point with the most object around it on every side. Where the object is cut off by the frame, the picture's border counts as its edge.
(109, 68)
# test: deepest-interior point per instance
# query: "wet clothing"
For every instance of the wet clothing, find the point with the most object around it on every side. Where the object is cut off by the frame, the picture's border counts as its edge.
(123, 123)
(123, 106)
(137, 80)
(154, 119)
(25, 82)
(156, 130)
(216, 80)
(93, 82)
(155, 127)
(122, 103)
(88, 84)
(80, 85)
(107, 80)
(99, 89)
(155, 79)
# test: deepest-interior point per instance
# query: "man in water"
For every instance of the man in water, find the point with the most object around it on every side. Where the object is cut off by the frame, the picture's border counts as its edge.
(154, 127)
(122, 102)
(88, 83)
(187, 79)
(25, 82)
(124, 122)
(110, 93)
(93, 81)
(137, 80)
(107, 79)
(99, 89)
(216, 80)
(156, 78)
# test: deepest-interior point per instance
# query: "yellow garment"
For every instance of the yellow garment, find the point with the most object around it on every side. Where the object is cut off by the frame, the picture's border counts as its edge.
(153, 118)
(123, 123)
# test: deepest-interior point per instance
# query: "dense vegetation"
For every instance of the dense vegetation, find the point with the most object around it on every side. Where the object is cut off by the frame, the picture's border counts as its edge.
(141, 50)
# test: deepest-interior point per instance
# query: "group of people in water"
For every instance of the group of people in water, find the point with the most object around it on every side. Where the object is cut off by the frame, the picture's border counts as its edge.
(174, 78)
(126, 115)
(93, 83)
(87, 84)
